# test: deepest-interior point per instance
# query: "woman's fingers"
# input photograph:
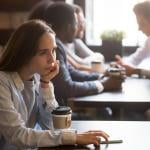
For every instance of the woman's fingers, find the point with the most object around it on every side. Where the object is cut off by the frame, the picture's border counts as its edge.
(118, 57)
(54, 66)
(91, 137)
(98, 134)
(53, 71)
(119, 60)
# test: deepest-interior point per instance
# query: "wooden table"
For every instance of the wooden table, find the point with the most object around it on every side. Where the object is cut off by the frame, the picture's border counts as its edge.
(135, 93)
(135, 135)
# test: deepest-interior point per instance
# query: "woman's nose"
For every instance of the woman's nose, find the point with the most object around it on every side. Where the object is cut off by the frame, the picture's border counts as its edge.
(51, 58)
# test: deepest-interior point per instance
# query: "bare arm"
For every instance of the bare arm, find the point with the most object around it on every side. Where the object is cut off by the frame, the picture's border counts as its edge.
(77, 65)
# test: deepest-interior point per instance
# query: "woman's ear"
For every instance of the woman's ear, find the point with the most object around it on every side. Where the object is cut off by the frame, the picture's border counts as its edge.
(68, 28)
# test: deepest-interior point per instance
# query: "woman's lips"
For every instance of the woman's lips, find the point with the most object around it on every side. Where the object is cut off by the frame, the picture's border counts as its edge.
(51, 68)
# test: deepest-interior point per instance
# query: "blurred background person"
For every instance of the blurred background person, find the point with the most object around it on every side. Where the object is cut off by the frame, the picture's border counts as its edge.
(71, 82)
(142, 13)
(78, 54)
(63, 19)
(38, 10)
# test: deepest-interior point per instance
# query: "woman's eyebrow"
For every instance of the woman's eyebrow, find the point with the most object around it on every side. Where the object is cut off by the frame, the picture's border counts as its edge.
(44, 49)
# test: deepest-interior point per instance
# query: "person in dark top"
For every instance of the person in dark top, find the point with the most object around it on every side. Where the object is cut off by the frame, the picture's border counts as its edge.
(38, 10)
(71, 82)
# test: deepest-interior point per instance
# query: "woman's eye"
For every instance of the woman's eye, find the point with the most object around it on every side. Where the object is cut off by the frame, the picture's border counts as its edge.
(43, 53)
(47, 52)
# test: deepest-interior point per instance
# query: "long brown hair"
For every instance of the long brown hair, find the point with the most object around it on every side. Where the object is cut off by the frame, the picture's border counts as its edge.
(22, 45)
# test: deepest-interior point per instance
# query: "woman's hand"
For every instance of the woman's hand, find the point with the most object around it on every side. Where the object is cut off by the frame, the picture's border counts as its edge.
(91, 137)
(53, 71)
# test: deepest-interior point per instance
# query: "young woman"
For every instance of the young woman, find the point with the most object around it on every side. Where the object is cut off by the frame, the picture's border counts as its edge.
(27, 65)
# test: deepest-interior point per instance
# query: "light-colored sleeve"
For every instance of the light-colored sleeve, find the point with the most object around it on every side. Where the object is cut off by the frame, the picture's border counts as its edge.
(82, 54)
(140, 54)
(77, 58)
(15, 132)
(48, 96)
(47, 103)
(81, 49)
(87, 54)
(145, 73)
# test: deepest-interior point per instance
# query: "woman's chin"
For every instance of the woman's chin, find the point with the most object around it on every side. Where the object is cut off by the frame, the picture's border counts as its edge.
(44, 73)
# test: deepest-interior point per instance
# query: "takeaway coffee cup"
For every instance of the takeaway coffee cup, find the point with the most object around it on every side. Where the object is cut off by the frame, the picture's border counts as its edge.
(97, 66)
(116, 71)
(61, 117)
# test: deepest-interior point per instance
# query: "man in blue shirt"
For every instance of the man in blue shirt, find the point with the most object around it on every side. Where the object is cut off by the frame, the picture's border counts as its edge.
(71, 82)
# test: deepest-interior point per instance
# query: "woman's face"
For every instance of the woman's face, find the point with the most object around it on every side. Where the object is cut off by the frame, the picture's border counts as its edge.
(41, 63)
(144, 24)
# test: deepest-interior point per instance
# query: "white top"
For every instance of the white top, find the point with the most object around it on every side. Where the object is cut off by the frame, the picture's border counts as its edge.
(81, 53)
(81, 49)
(140, 54)
(22, 105)
(139, 57)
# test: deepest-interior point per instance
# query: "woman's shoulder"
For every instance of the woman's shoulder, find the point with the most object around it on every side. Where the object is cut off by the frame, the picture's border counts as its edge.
(11, 79)
(4, 77)
(4, 80)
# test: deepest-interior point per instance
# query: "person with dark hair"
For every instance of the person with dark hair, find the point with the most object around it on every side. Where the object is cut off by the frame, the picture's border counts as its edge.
(27, 65)
(71, 82)
(78, 54)
(38, 10)
(142, 12)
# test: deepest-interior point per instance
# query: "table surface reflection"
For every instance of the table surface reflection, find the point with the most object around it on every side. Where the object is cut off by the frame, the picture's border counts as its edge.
(135, 93)
(135, 135)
